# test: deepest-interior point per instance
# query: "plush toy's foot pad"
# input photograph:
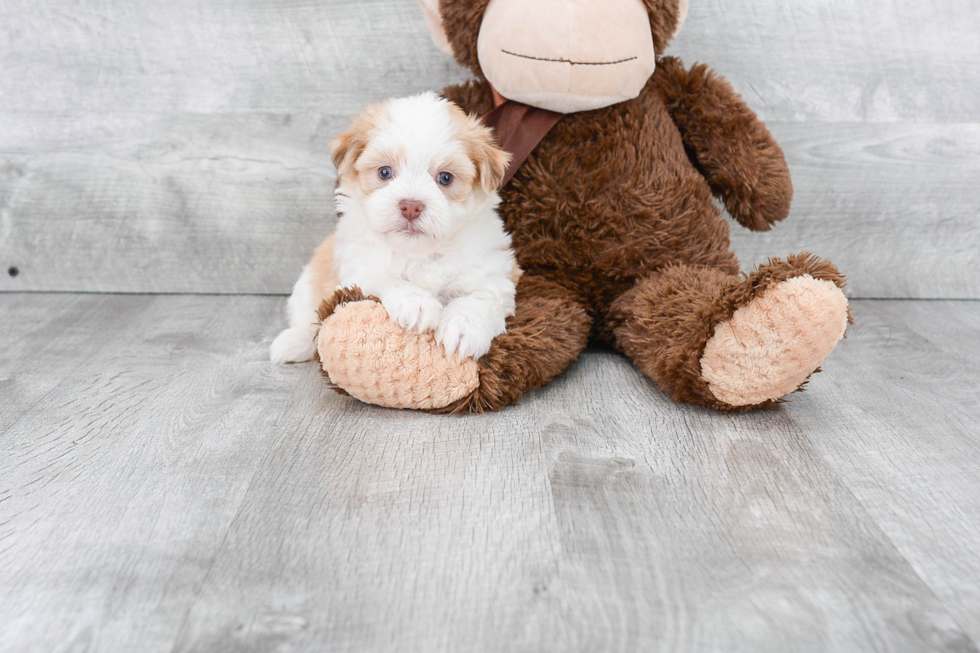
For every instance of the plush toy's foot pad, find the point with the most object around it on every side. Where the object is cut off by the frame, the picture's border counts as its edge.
(373, 359)
(772, 345)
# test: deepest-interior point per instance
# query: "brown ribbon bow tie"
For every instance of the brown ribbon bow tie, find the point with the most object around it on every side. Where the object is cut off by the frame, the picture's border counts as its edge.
(519, 128)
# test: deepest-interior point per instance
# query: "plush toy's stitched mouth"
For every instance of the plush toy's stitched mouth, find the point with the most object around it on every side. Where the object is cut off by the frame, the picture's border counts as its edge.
(569, 61)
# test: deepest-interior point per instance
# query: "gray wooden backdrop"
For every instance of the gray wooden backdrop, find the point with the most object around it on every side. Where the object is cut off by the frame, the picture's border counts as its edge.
(181, 146)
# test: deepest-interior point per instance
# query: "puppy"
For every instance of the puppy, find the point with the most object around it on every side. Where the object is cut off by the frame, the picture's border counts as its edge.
(418, 228)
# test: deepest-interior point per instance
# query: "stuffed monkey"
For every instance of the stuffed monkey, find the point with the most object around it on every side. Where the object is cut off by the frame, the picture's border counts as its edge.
(613, 222)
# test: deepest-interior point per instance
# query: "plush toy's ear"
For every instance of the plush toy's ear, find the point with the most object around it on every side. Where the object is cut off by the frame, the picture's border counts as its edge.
(666, 19)
(682, 7)
(433, 22)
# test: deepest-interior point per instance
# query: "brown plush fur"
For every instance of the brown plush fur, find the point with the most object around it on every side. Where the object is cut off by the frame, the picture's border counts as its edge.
(607, 198)
(550, 329)
(461, 20)
(342, 296)
(616, 228)
(664, 16)
(735, 152)
(664, 322)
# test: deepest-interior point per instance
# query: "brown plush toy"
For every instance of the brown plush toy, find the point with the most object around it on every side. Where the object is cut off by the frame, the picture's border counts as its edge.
(613, 223)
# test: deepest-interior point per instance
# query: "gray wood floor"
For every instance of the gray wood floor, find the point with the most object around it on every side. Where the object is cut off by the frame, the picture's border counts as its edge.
(164, 488)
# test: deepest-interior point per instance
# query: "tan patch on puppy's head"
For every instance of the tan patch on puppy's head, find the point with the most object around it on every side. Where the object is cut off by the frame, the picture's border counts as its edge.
(490, 161)
(348, 147)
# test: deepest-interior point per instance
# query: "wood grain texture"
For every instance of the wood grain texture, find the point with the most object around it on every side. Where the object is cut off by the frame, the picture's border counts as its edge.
(237, 203)
(162, 487)
(182, 147)
(215, 56)
(165, 202)
(908, 409)
(832, 61)
(894, 206)
(815, 60)
(123, 463)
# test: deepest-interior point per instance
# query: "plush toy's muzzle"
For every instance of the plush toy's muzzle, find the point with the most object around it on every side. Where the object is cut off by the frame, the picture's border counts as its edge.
(590, 55)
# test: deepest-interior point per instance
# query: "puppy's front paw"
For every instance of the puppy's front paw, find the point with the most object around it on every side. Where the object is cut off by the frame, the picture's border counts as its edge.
(464, 331)
(413, 309)
(293, 346)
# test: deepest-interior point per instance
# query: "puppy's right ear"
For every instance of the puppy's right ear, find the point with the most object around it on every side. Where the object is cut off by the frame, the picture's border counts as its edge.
(349, 146)
(347, 149)
(433, 23)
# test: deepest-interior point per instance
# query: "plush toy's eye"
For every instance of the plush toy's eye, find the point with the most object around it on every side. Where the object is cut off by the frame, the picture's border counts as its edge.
(444, 178)
(386, 173)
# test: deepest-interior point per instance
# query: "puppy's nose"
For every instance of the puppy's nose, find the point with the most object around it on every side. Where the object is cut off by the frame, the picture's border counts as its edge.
(411, 209)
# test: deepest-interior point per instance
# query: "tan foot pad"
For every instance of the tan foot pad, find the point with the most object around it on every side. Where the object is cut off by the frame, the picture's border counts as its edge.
(774, 343)
(375, 360)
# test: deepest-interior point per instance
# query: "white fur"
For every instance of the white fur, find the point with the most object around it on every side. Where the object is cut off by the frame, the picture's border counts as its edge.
(295, 344)
(451, 271)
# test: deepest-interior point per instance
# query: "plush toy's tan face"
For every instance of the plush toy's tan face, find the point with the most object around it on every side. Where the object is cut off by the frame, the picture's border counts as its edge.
(594, 54)
(563, 55)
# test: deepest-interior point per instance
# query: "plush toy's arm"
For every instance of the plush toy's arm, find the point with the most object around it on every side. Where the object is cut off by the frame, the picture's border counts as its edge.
(474, 96)
(733, 149)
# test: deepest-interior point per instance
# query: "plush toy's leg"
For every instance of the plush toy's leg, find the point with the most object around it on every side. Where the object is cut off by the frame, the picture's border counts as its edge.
(546, 334)
(367, 355)
(711, 338)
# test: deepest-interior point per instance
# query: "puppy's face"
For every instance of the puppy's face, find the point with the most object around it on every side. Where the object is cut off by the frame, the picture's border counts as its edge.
(419, 167)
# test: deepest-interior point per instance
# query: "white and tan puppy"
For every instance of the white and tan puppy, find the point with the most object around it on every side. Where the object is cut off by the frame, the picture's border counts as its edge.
(418, 228)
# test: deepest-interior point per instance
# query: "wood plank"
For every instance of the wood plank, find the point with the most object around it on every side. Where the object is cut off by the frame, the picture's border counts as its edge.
(631, 524)
(824, 60)
(34, 330)
(236, 203)
(894, 206)
(190, 56)
(200, 129)
(164, 202)
(174, 491)
(833, 61)
(120, 479)
(903, 436)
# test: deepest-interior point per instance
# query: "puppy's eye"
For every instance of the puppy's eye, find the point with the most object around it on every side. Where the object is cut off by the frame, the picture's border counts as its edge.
(386, 173)
(444, 179)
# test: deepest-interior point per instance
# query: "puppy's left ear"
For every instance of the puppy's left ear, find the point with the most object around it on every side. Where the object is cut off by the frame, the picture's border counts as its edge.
(492, 166)
(491, 161)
